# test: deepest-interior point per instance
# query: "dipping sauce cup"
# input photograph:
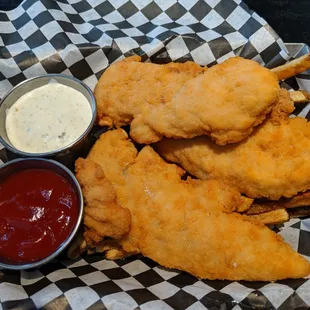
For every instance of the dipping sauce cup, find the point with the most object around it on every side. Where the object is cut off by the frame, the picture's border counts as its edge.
(50, 110)
(41, 207)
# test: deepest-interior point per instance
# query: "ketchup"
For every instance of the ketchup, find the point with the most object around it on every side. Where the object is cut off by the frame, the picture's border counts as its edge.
(38, 210)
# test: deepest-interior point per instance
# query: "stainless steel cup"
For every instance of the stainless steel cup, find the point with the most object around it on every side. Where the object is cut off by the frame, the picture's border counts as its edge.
(41, 163)
(66, 155)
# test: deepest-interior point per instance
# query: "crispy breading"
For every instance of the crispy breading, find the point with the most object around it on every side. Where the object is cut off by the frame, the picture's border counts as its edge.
(271, 163)
(185, 100)
(188, 224)
(103, 217)
(282, 108)
(126, 87)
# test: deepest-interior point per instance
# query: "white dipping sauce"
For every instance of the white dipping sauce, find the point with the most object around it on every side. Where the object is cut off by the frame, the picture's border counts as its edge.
(47, 118)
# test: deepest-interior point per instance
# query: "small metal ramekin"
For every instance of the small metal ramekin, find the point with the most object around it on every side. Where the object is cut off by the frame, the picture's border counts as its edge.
(66, 155)
(41, 163)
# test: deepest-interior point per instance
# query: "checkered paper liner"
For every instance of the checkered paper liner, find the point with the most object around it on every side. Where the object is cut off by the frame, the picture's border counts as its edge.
(81, 38)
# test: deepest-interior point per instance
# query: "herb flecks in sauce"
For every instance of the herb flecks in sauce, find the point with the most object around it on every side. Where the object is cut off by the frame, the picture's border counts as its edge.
(48, 118)
(62, 135)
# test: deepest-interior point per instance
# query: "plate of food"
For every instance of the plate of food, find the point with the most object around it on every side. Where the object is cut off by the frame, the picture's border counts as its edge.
(172, 175)
(167, 213)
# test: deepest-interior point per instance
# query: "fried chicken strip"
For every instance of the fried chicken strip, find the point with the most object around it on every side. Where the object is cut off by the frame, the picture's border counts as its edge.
(127, 87)
(189, 225)
(103, 217)
(272, 163)
(176, 100)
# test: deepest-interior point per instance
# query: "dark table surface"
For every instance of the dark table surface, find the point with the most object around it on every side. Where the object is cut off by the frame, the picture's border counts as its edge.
(289, 18)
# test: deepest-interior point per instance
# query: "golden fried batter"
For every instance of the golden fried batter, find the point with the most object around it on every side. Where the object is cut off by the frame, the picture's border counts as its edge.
(185, 100)
(189, 225)
(271, 163)
(103, 217)
(128, 86)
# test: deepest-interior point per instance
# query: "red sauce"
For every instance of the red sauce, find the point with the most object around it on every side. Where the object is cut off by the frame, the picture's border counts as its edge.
(38, 210)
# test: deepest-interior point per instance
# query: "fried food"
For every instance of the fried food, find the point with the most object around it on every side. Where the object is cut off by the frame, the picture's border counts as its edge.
(300, 96)
(175, 100)
(271, 163)
(282, 108)
(272, 217)
(261, 206)
(299, 212)
(103, 217)
(293, 67)
(128, 87)
(186, 224)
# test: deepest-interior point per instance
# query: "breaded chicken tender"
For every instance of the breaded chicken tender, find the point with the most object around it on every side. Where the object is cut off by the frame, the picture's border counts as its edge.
(224, 102)
(186, 224)
(272, 163)
(128, 86)
(103, 217)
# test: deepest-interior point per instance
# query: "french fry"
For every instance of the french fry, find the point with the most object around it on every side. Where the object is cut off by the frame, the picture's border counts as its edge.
(271, 218)
(300, 96)
(112, 250)
(301, 200)
(116, 254)
(299, 212)
(293, 67)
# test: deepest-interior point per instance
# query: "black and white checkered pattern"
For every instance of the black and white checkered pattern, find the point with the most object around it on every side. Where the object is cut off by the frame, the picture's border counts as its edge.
(82, 38)
(138, 283)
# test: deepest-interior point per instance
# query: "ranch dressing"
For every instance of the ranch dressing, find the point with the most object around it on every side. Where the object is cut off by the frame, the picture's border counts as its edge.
(48, 118)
